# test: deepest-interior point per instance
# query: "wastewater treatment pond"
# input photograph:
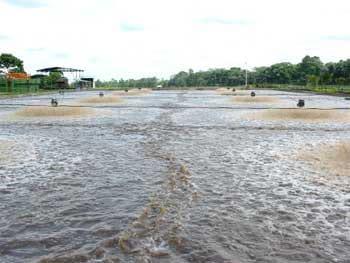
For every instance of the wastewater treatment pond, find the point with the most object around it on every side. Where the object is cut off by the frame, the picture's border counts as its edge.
(174, 176)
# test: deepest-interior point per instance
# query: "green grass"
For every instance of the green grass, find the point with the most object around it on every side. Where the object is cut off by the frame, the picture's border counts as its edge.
(332, 89)
(17, 94)
(108, 88)
(115, 88)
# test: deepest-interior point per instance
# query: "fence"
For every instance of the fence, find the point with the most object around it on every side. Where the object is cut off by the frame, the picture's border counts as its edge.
(19, 85)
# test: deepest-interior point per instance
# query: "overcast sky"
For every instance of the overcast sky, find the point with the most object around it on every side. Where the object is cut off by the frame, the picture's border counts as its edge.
(138, 38)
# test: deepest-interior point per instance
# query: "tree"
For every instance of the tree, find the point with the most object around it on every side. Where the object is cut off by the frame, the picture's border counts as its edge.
(309, 66)
(9, 63)
(235, 77)
(99, 83)
(55, 76)
(313, 80)
(179, 80)
(280, 73)
(51, 80)
(259, 75)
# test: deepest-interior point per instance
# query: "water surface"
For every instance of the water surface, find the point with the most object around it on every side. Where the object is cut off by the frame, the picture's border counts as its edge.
(184, 182)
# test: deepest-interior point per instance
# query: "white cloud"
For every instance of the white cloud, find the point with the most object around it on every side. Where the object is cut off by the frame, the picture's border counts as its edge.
(135, 38)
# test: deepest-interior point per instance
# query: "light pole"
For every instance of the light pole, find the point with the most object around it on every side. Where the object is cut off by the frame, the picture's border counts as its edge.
(246, 76)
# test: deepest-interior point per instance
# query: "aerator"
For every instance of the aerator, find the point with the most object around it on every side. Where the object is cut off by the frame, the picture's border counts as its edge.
(54, 102)
(301, 103)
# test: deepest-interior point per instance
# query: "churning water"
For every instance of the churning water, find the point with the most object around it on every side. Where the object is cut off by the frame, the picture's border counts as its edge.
(170, 183)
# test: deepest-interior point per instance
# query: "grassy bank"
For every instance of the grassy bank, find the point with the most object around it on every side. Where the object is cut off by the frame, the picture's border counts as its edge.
(5, 95)
(331, 90)
(163, 88)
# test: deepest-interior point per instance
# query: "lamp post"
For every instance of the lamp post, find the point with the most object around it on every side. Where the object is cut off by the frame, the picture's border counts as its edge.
(246, 76)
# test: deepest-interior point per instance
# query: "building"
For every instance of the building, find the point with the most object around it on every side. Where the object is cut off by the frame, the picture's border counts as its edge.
(88, 82)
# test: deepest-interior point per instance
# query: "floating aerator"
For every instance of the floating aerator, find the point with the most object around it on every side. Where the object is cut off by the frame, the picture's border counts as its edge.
(54, 102)
(252, 94)
(301, 103)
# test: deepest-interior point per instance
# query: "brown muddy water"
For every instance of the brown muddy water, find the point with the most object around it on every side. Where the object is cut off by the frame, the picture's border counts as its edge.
(170, 183)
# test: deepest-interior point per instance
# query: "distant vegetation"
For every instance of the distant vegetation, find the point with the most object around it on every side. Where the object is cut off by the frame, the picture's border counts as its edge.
(130, 83)
(310, 74)
(311, 71)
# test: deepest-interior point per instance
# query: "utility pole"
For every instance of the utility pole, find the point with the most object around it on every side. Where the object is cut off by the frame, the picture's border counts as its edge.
(246, 76)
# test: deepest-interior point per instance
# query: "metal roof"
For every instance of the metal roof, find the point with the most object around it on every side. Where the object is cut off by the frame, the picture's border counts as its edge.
(59, 69)
(36, 76)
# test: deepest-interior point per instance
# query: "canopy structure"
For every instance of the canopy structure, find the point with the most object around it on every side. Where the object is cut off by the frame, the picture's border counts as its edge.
(59, 69)
(88, 82)
(75, 73)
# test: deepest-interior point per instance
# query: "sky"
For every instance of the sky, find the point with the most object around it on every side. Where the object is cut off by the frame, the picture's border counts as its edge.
(138, 38)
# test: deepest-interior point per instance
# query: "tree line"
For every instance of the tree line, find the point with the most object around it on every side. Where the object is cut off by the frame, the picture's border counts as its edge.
(310, 71)
(129, 83)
